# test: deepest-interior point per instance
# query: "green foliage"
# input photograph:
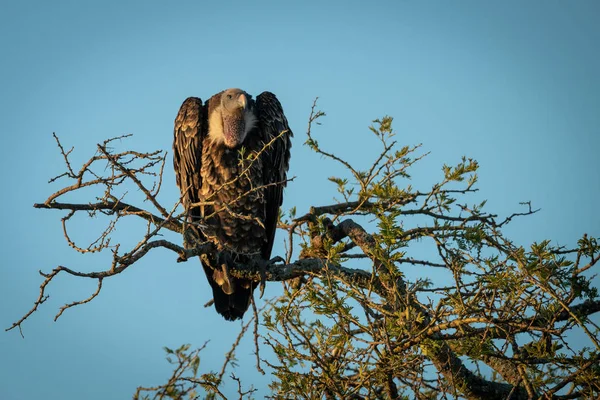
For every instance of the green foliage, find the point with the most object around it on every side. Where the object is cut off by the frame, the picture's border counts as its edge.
(358, 327)
(508, 307)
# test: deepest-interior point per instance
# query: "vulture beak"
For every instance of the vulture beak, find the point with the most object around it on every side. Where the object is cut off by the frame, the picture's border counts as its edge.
(243, 101)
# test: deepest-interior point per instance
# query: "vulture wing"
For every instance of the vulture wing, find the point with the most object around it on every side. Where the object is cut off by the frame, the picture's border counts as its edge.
(274, 126)
(187, 152)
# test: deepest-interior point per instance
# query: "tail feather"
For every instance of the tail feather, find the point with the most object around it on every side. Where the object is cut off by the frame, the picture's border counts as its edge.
(231, 306)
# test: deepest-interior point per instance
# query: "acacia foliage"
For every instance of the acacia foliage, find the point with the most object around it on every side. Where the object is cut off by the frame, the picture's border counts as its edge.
(498, 321)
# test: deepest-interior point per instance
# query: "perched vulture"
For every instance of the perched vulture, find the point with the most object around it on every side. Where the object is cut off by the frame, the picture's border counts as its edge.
(231, 155)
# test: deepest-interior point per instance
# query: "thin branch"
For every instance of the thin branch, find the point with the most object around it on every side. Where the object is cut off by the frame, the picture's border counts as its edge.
(134, 178)
(171, 224)
(76, 303)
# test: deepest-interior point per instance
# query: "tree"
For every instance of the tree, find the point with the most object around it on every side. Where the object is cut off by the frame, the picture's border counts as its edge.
(349, 323)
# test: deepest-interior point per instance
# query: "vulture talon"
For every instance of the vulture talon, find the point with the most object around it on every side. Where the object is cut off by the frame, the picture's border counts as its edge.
(182, 257)
(262, 265)
(275, 260)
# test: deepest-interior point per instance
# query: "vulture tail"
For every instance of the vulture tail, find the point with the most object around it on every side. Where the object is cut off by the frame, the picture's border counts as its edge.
(232, 298)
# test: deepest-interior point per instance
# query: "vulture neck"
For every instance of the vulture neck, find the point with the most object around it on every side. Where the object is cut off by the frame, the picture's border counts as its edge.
(215, 125)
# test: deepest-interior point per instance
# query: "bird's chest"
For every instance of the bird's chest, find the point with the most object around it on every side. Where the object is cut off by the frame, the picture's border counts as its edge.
(233, 191)
(227, 173)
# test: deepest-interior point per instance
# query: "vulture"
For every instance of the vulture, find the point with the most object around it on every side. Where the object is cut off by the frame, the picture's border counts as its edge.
(231, 155)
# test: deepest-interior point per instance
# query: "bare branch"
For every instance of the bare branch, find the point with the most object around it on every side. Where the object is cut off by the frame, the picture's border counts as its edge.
(171, 224)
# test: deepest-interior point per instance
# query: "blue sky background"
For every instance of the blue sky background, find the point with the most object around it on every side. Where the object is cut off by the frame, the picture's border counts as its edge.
(515, 85)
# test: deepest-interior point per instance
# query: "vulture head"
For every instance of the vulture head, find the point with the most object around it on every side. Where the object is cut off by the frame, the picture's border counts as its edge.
(232, 119)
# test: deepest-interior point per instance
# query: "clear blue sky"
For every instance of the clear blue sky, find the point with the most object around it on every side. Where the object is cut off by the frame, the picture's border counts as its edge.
(515, 85)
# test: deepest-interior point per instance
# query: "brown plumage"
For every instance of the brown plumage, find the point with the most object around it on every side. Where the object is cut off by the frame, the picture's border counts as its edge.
(221, 160)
